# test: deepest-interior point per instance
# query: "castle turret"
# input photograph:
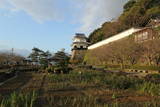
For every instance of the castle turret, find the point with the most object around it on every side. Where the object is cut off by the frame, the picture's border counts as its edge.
(79, 47)
(79, 42)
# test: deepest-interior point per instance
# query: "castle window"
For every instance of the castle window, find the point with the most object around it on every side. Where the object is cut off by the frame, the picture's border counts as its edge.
(81, 47)
(145, 35)
(142, 36)
(75, 47)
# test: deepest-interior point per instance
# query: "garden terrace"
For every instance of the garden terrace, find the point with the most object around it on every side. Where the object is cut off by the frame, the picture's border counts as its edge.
(82, 87)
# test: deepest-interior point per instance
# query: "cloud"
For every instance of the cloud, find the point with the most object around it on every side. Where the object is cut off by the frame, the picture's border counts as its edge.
(3, 3)
(96, 12)
(40, 10)
(90, 14)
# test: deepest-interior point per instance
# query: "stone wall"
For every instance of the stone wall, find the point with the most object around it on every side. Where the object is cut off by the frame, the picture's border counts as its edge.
(78, 55)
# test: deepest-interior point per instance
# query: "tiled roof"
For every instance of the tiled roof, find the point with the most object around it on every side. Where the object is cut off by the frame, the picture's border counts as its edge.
(80, 35)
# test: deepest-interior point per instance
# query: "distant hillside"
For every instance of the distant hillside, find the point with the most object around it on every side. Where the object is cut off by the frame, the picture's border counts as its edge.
(22, 52)
(136, 13)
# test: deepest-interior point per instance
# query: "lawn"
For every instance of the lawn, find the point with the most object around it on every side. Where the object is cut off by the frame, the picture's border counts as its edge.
(80, 88)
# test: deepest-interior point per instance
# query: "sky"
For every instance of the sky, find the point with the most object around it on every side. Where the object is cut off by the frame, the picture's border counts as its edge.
(51, 24)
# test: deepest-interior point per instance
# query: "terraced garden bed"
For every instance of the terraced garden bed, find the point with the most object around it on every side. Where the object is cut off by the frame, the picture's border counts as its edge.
(6, 75)
(84, 89)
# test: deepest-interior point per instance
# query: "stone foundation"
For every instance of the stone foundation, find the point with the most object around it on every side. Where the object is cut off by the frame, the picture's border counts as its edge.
(78, 55)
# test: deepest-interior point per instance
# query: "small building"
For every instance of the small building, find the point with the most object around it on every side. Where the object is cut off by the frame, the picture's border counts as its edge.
(79, 47)
(27, 61)
(148, 32)
(145, 34)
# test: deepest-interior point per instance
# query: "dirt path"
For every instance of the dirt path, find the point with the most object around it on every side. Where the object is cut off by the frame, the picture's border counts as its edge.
(42, 90)
(35, 84)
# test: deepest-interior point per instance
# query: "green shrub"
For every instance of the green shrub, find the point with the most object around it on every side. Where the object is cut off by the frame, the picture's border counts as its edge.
(114, 96)
(155, 78)
(121, 82)
(150, 88)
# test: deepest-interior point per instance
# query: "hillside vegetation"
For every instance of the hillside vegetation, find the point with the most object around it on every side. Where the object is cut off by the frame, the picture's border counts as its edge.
(136, 13)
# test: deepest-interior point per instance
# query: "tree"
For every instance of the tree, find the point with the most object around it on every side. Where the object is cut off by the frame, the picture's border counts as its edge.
(3, 58)
(129, 5)
(44, 58)
(40, 56)
(152, 51)
(8, 58)
(35, 55)
(61, 58)
(121, 52)
(137, 13)
(154, 12)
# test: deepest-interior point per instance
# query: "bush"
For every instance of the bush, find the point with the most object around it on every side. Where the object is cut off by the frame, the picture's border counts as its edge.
(119, 82)
(155, 78)
(150, 88)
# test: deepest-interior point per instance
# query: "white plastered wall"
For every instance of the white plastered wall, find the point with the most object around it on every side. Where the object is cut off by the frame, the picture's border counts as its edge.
(114, 38)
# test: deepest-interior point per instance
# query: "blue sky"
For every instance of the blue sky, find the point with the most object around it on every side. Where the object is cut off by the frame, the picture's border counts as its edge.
(21, 31)
(51, 24)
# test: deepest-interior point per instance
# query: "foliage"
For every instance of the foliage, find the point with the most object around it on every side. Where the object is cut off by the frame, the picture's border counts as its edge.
(40, 57)
(61, 58)
(129, 5)
(137, 13)
(154, 78)
(96, 36)
(75, 101)
(150, 88)
(8, 58)
(114, 96)
(20, 100)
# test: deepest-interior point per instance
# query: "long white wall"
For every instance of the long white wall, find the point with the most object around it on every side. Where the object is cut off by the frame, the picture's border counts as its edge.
(114, 38)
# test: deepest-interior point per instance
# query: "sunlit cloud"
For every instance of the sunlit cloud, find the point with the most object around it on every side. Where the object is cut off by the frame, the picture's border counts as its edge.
(90, 14)
(96, 12)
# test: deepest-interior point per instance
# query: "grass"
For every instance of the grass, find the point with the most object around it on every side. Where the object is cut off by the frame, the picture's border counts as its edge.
(19, 100)
(85, 88)
(150, 88)
(109, 80)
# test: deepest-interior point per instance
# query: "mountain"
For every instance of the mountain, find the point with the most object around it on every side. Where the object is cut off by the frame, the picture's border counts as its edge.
(21, 52)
